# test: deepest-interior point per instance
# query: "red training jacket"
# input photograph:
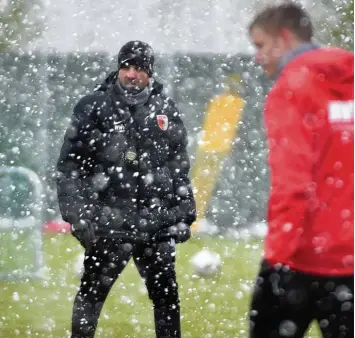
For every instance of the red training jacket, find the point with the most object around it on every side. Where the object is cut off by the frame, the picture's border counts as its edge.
(309, 117)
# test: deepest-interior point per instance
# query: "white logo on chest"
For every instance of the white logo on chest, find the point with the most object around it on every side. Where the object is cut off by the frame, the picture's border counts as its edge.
(118, 126)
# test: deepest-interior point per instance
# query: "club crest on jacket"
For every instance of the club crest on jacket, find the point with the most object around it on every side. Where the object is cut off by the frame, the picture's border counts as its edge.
(163, 122)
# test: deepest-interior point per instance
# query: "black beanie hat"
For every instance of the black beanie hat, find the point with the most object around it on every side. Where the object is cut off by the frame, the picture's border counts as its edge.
(137, 53)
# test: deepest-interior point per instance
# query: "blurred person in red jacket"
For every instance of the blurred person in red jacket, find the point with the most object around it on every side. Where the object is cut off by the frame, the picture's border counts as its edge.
(308, 268)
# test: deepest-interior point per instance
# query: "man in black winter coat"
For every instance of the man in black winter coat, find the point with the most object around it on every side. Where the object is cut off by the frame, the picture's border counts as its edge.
(123, 186)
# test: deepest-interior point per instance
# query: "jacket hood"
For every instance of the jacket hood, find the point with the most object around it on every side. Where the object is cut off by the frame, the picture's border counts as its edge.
(334, 68)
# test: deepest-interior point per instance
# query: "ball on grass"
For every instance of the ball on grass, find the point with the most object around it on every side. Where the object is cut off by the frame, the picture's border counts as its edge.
(206, 263)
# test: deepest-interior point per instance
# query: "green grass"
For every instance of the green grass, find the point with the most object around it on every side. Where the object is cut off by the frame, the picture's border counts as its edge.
(18, 251)
(211, 308)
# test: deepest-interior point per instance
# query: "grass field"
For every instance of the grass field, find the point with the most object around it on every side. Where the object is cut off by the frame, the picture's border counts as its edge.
(211, 308)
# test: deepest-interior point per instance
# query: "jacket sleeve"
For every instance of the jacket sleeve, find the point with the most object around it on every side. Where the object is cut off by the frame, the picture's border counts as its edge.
(179, 165)
(291, 159)
(75, 156)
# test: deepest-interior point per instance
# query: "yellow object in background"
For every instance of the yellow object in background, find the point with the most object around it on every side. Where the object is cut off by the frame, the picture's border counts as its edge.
(219, 130)
(221, 122)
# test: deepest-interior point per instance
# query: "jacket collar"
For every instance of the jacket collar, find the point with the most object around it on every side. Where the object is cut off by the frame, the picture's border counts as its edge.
(305, 47)
(135, 99)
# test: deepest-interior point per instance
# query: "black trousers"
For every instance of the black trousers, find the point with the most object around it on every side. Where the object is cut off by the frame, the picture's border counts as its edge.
(103, 264)
(285, 302)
